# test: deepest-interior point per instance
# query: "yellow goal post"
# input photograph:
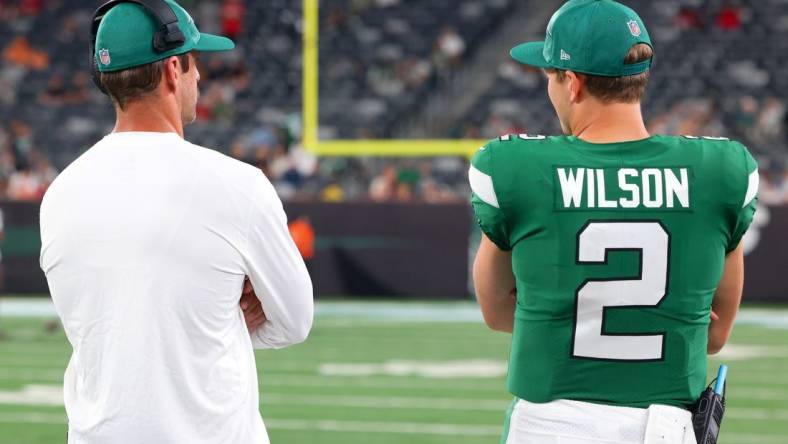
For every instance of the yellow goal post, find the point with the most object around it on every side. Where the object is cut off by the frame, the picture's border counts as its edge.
(358, 147)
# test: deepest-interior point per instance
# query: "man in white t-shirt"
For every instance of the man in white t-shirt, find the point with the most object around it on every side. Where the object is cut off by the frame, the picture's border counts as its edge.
(147, 241)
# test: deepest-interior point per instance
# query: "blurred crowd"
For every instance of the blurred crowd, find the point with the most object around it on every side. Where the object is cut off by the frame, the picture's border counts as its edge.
(271, 139)
(297, 174)
(25, 172)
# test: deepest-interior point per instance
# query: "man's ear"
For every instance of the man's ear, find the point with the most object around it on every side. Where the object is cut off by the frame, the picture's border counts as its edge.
(172, 72)
(575, 83)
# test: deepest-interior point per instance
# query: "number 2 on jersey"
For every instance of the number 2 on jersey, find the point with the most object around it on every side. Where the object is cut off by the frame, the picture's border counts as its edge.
(595, 296)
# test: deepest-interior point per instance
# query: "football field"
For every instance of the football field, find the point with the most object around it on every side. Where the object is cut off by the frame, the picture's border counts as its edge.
(385, 373)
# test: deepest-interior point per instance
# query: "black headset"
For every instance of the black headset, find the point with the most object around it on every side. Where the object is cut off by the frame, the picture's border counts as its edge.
(168, 37)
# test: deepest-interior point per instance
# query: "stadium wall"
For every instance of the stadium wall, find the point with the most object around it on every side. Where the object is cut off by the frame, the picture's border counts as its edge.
(398, 250)
(361, 249)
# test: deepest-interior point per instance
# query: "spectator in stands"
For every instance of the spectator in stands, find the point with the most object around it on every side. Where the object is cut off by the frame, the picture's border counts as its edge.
(30, 7)
(769, 124)
(404, 192)
(414, 72)
(384, 187)
(239, 77)
(21, 143)
(20, 52)
(332, 193)
(232, 18)
(285, 177)
(208, 17)
(214, 69)
(25, 185)
(688, 18)
(55, 94)
(216, 104)
(449, 48)
(263, 138)
(80, 91)
(498, 125)
(746, 113)
(238, 150)
(70, 27)
(689, 116)
(729, 18)
(43, 170)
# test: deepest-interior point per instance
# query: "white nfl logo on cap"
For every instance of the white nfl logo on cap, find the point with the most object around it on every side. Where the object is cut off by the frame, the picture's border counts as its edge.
(634, 28)
(104, 56)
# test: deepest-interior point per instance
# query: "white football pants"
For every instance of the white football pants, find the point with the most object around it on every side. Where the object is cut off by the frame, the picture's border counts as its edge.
(575, 422)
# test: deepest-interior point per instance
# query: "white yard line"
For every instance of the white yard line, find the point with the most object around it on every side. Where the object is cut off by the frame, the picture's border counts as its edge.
(319, 425)
(750, 438)
(51, 395)
(382, 382)
(758, 414)
(386, 402)
(32, 418)
(384, 427)
(32, 374)
(371, 313)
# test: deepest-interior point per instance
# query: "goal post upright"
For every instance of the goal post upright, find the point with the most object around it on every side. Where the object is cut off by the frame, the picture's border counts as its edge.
(357, 147)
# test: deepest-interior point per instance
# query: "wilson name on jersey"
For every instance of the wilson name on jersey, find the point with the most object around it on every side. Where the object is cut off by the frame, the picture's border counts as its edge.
(629, 187)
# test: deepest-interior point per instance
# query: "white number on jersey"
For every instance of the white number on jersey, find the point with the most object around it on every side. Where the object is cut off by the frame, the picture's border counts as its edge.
(595, 296)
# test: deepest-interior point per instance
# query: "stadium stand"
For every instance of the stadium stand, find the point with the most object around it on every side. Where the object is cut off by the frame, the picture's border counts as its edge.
(381, 62)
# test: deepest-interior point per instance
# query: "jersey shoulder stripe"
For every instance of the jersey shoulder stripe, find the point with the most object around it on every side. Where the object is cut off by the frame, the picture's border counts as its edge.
(753, 181)
(482, 186)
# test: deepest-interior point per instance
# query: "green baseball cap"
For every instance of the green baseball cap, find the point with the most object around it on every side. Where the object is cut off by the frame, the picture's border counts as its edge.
(125, 37)
(590, 37)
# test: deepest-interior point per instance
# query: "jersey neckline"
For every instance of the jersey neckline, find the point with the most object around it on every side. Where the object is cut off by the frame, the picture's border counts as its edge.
(143, 133)
(607, 144)
(646, 145)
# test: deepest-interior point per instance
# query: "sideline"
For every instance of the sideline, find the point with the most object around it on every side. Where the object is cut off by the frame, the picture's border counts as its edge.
(451, 311)
(384, 427)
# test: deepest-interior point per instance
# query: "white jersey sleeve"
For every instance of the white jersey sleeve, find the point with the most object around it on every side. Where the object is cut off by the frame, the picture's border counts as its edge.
(277, 272)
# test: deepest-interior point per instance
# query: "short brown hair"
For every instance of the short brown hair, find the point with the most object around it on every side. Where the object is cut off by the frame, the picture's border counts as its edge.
(626, 89)
(135, 83)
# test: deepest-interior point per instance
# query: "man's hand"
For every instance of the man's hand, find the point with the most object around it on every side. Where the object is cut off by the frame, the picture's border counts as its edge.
(253, 310)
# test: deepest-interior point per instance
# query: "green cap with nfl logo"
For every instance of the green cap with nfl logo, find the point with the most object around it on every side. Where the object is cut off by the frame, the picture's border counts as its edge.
(590, 37)
(125, 37)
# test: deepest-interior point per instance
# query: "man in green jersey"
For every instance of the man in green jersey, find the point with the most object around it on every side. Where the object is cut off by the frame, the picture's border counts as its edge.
(606, 249)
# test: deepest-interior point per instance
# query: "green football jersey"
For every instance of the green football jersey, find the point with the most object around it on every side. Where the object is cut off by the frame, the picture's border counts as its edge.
(617, 250)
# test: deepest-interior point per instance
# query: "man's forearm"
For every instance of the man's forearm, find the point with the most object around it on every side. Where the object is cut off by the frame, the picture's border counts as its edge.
(726, 300)
(499, 313)
(494, 284)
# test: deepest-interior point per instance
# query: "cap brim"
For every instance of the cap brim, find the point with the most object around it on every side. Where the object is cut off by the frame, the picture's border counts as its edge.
(210, 42)
(531, 53)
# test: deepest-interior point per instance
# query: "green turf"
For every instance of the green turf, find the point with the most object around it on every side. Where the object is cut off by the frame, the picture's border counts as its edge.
(301, 405)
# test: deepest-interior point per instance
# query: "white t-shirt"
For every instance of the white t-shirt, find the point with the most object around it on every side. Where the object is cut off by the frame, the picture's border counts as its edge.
(146, 240)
